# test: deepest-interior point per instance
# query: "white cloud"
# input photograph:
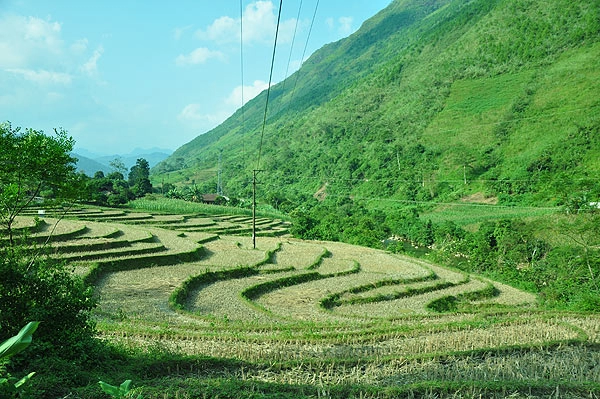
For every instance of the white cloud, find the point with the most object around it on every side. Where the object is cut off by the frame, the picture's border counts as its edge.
(43, 32)
(25, 40)
(235, 98)
(343, 25)
(195, 113)
(194, 116)
(178, 32)
(33, 49)
(198, 117)
(90, 68)
(330, 23)
(259, 24)
(42, 76)
(79, 46)
(222, 30)
(191, 112)
(198, 56)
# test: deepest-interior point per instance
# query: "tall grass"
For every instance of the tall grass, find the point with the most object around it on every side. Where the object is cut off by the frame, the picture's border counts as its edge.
(464, 214)
(177, 206)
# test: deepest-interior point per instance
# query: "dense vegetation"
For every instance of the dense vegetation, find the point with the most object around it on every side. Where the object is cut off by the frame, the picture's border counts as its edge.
(426, 102)
(35, 288)
(113, 189)
(556, 255)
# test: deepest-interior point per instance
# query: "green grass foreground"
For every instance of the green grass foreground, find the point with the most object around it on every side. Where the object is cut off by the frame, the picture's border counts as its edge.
(162, 375)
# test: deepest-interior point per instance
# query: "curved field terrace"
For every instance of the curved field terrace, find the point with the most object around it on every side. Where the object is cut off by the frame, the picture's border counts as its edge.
(317, 313)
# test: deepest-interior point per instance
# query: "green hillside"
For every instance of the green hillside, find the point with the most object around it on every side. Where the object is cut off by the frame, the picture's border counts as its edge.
(428, 101)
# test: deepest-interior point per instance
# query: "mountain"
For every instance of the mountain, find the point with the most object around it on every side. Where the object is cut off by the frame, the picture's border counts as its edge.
(90, 162)
(130, 159)
(90, 166)
(431, 100)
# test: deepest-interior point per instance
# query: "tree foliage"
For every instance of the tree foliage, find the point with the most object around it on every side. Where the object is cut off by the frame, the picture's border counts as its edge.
(139, 178)
(33, 163)
(113, 189)
(340, 220)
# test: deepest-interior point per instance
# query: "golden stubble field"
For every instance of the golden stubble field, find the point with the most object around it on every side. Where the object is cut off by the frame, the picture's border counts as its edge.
(314, 312)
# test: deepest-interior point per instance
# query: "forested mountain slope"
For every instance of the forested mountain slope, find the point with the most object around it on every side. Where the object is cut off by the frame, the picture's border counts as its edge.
(429, 100)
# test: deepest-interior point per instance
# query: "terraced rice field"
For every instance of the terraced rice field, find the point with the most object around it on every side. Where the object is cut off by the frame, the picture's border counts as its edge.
(315, 312)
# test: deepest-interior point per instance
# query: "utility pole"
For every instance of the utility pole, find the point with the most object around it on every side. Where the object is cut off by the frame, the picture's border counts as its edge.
(219, 171)
(254, 172)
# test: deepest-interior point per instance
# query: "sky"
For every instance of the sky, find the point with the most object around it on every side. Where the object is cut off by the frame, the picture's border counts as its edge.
(124, 74)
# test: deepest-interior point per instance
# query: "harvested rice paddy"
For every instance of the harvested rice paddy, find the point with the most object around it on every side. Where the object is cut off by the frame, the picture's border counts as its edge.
(318, 313)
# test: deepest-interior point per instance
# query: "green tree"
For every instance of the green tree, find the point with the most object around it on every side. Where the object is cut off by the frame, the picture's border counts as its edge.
(139, 178)
(118, 166)
(115, 176)
(32, 162)
(304, 223)
(120, 193)
(110, 190)
(45, 289)
(97, 189)
(583, 231)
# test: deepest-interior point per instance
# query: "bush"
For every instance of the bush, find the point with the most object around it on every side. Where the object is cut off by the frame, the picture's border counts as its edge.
(43, 289)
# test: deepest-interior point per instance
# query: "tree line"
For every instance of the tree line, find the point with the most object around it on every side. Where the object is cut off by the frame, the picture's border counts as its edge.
(113, 189)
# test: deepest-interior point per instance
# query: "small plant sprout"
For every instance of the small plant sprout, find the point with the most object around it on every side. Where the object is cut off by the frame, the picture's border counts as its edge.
(122, 391)
(11, 347)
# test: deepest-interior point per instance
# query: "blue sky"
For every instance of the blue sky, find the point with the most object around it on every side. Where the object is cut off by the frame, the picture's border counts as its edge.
(125, 74)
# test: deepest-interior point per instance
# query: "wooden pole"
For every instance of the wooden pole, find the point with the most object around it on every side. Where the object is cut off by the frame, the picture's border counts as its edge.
(254, 208)
(254, 172)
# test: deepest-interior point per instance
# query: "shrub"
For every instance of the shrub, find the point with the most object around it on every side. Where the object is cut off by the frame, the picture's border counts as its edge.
(44, 289)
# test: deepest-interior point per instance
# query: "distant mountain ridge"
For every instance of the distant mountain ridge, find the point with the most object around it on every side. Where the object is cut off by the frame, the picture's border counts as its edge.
(89, 166)
(90, 163)
(428, 100)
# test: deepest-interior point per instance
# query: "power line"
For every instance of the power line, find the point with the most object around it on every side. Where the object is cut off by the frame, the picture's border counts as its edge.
(291, 51)
(473, 127)
(298, 178)
(242, 73)
(312, 22)
(525, 118)
(262, 134)
(435, 203)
